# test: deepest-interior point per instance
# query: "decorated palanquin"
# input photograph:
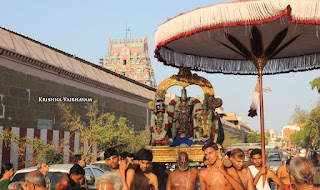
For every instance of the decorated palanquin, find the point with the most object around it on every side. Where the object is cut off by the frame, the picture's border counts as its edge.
(186, 121)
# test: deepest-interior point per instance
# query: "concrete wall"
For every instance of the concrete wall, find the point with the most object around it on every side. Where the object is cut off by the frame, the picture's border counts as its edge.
(20, 105)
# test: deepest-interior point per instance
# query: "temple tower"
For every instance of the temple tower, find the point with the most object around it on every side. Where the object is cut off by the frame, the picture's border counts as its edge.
(131, 59)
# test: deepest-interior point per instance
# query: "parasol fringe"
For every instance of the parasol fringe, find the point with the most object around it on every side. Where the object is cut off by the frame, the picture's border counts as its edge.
(243, 67)
(236, 13)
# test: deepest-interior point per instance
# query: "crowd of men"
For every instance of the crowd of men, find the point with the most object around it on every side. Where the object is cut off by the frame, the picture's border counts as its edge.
(137, 172)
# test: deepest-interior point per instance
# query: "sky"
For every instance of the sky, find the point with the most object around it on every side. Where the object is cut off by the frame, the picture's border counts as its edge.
(83, 28)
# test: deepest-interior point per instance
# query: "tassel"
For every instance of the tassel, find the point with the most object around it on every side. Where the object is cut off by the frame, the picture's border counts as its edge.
(255, 101)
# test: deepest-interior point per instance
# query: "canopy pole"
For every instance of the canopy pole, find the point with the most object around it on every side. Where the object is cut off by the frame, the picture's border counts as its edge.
(259, 63)
(263, 150)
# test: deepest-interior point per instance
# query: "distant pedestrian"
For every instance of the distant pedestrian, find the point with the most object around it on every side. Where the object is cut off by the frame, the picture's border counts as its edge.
(80, 159)
(249, 162)
(124, 155)
(44, 168)
(35, 180)
(301, 173)
(108, 181)
(7, 172)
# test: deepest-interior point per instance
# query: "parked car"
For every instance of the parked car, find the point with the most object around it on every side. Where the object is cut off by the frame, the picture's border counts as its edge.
(314, 155)
(56, 170)
(275, 159)
(101, 164)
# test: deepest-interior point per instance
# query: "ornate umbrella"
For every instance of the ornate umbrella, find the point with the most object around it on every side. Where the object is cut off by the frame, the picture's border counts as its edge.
(244, 37)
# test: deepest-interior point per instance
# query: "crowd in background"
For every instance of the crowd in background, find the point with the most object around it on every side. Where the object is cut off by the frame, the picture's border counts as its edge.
(137, 172)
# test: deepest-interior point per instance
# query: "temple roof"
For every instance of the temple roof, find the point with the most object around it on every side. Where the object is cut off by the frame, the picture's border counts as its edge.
(62, 63)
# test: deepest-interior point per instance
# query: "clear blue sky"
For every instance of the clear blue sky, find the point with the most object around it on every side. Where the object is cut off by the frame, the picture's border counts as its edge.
(83, 28)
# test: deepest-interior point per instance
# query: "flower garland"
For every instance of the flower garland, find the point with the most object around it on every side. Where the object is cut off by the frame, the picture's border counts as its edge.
(159, 132)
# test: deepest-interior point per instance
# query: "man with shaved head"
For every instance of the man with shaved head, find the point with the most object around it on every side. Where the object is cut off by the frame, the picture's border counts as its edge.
(184, 177)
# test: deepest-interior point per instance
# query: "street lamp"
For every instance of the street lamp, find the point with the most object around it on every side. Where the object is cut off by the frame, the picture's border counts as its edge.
(266, 90)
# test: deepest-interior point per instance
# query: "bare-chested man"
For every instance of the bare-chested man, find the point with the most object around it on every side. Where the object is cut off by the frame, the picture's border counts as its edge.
(283, 174)
(237, 158)
(112, 159)
(216, 176)
(184, 177)
(258, 171)
(144, 179)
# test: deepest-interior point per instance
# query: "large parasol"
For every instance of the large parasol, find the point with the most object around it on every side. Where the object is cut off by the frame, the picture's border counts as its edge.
(254, 37)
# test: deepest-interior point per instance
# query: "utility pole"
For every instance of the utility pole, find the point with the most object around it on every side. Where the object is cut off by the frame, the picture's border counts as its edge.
(266, 90)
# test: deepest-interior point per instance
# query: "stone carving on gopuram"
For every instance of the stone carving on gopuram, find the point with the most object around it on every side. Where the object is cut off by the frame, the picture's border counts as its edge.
(185, 121)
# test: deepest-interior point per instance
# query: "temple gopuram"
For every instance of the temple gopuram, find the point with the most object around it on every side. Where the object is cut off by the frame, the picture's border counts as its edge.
(131, 59)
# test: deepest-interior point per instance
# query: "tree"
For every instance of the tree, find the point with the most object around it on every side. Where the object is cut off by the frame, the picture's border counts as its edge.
(278, 139)
(102, 130)
(313, 124)
(42, 151)
(230, 139)
(253, 137)
(315, 83)
(300, 116)
(301, 138)
(304, 137)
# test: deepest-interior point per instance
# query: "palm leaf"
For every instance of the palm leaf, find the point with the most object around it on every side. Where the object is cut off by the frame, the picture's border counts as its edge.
(276, 42)
(284, 46)
(246, 53)
(256, 42)
(234, 50)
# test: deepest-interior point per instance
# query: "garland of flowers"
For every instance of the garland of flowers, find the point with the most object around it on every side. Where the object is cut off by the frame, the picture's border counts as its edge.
(173, 112)
(161, 132)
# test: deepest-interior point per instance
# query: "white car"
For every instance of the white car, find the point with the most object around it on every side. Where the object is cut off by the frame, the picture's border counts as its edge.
(101, 164)
(56, 170)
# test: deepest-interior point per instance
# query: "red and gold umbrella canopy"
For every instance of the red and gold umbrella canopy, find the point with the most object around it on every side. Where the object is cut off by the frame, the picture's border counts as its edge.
(257, 37)
(227, 37)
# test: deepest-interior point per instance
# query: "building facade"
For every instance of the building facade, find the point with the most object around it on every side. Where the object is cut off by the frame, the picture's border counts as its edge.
(35, 78)
(287, 131)
(131, 59)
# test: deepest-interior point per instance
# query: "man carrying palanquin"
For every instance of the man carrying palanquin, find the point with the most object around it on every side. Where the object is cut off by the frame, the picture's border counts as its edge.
(112, 159)
(237, 159)
(257, 171)
(283, 174)
(216, 176)
(144, 179)
(184, 177)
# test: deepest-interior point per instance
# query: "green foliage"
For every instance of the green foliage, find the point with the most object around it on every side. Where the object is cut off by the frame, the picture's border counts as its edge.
(299, 115)
(313, 124)
(278, 139)
(102, 131)
(315, 83)
(301, 138)
(230, 139)
(253, 137)
(310, 131)
(41, 150)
